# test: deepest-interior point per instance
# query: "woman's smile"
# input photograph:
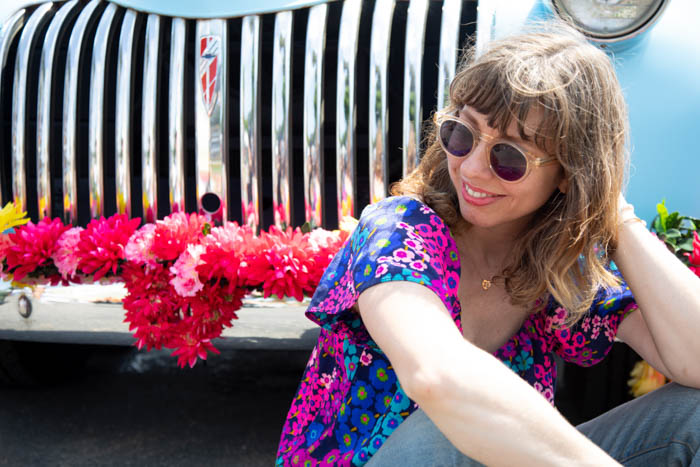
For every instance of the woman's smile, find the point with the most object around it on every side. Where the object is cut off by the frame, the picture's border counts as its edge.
(478, 197)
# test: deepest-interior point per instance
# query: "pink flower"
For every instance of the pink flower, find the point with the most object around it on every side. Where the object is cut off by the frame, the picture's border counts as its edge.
(694, 257)
(65, 257)
(366, 359)
(33, 246)
(186, 281)
(139, 247)
(101, 246)
(175, 232)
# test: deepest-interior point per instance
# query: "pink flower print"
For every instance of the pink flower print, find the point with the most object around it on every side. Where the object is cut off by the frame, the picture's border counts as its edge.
(579, 340)
(539, 371)
(509, 350)
(418, 266)
(548, 394)
(404, 226)
(382, 259)
(412, 244)
(381, 270)
(425, 209)
(404, 255)
(326, 380)
(365, 358)
(586, 324)
(538, 386)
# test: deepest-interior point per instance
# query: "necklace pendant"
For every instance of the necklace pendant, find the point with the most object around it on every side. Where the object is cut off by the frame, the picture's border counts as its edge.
(485, 284)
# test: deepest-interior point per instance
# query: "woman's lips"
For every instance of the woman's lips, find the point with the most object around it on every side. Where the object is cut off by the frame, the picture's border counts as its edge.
(478, 197)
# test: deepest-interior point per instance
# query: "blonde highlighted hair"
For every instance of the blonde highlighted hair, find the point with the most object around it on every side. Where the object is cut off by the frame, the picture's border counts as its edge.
(565, 249)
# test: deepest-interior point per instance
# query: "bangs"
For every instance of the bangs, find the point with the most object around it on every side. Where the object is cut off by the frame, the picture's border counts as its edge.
(488, 87)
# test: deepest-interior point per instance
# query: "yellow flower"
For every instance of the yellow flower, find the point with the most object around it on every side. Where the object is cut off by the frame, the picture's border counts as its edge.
(11, 216)
(644, 379)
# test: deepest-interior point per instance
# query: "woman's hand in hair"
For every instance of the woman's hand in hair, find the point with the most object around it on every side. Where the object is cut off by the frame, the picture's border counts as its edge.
(665, 328)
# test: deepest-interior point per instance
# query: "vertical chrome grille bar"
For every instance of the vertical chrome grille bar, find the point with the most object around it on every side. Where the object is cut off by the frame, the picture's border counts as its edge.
(19, 107)
(9, 30)
(250, 121)
(449, 42)
(210, 118)
(96, 126)
(378, 99)
(176, 125)
(122, 155)
(281, 144)
(412, 82)
(70, 110)
(149, 158)
(313, 114)
(43, 157)
(346, 107)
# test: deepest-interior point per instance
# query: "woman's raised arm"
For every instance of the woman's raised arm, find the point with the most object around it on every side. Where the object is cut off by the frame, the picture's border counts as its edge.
(480, 405)
(668, 294)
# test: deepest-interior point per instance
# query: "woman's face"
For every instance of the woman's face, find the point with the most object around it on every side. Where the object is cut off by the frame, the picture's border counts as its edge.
(487, 201)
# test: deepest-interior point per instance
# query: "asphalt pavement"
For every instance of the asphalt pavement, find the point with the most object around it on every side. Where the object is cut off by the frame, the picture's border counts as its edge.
(126, 407)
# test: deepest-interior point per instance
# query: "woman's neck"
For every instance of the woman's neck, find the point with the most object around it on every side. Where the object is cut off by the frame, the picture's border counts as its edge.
(488, 247)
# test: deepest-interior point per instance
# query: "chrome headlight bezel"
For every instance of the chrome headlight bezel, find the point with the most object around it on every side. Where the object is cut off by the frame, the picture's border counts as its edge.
(641, 23)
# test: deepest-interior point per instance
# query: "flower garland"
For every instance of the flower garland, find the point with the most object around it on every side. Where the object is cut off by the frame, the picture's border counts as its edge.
(185, 279)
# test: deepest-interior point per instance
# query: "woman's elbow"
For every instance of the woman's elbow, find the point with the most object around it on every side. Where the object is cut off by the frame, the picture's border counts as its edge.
(424, 385)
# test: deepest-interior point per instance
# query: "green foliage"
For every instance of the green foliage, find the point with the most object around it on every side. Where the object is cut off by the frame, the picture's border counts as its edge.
(675, 230)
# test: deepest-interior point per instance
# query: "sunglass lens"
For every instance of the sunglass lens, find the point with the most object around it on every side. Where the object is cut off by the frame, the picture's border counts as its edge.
(456, 138)
(508, 162)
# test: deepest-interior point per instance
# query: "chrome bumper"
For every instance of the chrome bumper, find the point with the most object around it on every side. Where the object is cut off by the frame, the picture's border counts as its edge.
(93, 314)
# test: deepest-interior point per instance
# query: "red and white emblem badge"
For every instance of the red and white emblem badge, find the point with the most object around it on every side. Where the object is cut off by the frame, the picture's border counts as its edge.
(209, 50)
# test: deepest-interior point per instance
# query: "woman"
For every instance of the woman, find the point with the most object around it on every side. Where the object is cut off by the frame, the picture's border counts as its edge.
(497, 249)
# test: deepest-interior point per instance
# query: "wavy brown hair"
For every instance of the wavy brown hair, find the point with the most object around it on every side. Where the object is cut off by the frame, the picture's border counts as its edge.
(565, 248)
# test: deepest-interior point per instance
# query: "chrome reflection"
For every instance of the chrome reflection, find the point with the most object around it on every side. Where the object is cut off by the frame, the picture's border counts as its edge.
(210, 117)
(378, 99)
(346, 108)
(96, 130)
(70, 109)
(122, 155)
(412, 82)
(43, 157)
(313, 116)
(176, 125)
(19, 107)
(281, 143)
(250, 121)
(8, 31)
(149, 158)
(449, 42)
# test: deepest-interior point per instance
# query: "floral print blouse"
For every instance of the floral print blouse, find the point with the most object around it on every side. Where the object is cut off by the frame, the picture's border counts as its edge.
(349, 399)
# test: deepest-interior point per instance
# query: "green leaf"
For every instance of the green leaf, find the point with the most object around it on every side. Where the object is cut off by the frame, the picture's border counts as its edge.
(686, 245)
(673, 221)
(663, 214)
(306, 227)
(206, 229)
(673, 233)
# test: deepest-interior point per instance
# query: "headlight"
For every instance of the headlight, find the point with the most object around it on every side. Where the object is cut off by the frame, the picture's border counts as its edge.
(610, 20)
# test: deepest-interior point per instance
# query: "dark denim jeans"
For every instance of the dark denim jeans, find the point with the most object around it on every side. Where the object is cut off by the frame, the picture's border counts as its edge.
(660, 428)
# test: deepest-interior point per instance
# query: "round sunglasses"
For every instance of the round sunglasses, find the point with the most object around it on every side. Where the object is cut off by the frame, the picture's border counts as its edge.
(506, 159)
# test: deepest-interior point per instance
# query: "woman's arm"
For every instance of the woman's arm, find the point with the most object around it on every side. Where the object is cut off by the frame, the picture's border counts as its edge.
(668, 295)
(481, 406)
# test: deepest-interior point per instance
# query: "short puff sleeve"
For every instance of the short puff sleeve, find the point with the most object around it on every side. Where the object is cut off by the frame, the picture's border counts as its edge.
(396, 239)
(590, 339)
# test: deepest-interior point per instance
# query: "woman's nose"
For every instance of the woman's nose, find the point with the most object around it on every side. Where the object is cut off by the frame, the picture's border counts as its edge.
(476, 164)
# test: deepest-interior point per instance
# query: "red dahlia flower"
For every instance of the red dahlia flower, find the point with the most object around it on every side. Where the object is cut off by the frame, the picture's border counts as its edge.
(101, 246)
(32, 246)
(694, 257)
(175, 232)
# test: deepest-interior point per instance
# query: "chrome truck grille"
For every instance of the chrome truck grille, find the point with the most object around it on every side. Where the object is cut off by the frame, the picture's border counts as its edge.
(302, 115)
